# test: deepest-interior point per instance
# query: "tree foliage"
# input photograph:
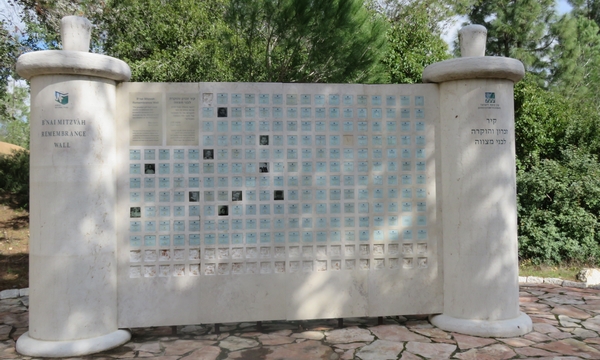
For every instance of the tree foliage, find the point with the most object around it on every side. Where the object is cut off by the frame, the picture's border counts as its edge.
(14, 109)
(14, 124)
(517, 29)
(306, 41)
(589, 9)
(219, 40)
(413, 43)
(558, 176)
(559, 203)
(9, 51)
(575, 70)
(170, 41)
(14, 178)
(541, 119)
(43, 18)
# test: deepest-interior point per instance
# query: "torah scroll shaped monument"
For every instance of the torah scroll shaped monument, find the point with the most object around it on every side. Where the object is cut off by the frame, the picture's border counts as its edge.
(479, 211)
(73, 298)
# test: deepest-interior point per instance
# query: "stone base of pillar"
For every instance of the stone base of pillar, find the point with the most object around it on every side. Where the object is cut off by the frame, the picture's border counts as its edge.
(59, 349)
(518, 326)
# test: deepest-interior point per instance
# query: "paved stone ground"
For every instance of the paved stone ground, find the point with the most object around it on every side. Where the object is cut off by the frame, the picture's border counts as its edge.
(566, 326)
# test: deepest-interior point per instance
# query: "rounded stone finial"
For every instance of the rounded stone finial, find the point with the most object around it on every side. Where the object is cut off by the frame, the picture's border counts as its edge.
(75, 32)
(472, 40)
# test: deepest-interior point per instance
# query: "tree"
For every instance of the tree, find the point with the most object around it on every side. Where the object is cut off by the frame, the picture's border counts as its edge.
(13, 108)
(306, 41)
(43, 18)
(589, 9)
(9, 51)
(243, 40)
(14, 125)
(541, 120)
(441, 13)
(516, 28)
(173, 41)
(575, 67)
(413, 43)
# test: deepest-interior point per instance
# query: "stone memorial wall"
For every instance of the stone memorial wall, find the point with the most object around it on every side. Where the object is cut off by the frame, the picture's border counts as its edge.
(280, 187)
(170, 204)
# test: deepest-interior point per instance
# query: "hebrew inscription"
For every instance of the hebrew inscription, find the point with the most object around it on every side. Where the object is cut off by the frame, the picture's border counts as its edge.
(490, 135)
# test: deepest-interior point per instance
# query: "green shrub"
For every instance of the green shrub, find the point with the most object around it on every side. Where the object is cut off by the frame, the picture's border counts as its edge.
(558, 177)
(14, 179)
(558, 208)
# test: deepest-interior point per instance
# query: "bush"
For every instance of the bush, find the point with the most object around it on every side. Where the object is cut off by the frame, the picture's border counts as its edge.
(558, 177)
(558, 207)
(541, 121)
(14, 179)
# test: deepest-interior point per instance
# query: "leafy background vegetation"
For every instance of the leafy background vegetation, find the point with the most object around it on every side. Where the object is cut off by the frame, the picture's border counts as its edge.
(14, 179)
(346, 41)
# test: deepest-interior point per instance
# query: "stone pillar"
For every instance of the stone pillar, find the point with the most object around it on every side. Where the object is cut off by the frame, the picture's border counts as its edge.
(73, 260)
(479, 212)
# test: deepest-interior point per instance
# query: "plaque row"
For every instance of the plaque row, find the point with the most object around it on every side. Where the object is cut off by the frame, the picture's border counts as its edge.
(313, 99)
(273, 167)
(274, 267)
(225, 254)
(277, 195)
(267, 223)
(292, 181)
(267, 209)
(310, 113)
(239, 238)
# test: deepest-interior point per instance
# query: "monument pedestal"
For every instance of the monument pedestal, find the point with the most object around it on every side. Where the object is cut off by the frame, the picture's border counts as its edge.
(73, 242)
(495, 328)
(59, 349)
(479, 210)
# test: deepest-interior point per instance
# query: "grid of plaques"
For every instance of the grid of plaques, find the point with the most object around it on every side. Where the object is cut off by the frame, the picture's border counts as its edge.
(285, 183)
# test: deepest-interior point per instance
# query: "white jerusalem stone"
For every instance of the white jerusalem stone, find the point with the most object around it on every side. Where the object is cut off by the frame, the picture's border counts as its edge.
(73, 263)
(574, 284)
(9, 294)
(472, 40)
(554, 281)
(57, 62)
(484, 67)
(589, 276)
(535, 280)
(75, 33)
(476, 95)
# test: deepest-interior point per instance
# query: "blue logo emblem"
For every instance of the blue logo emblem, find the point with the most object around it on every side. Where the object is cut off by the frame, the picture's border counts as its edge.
(490, 98)
(61, 98)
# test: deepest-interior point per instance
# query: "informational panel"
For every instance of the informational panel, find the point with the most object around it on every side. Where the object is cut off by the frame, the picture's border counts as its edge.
(241, 202)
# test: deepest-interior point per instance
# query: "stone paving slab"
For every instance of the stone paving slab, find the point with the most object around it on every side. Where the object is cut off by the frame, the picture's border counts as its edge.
(566, 326)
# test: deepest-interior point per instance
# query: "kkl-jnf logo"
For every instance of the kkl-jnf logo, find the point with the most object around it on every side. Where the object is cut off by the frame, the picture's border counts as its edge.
(490, 98)
(61, 98)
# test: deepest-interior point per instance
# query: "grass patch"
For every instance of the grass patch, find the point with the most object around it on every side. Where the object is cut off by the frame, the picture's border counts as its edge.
(565, 272)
